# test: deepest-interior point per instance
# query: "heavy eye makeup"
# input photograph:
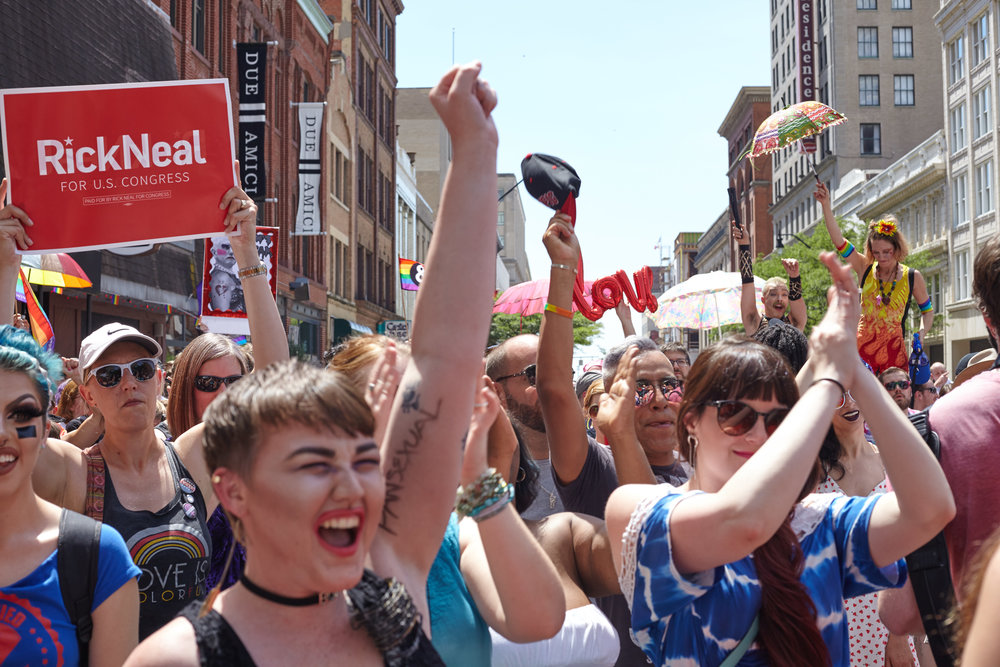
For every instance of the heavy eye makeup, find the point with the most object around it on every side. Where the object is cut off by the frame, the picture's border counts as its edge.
(23, 410)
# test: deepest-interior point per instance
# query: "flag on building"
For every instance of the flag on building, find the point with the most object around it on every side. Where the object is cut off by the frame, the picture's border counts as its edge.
(411, 274)
(41, 328)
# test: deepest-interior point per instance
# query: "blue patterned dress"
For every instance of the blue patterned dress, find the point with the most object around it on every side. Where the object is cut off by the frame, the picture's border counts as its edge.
(697, 620)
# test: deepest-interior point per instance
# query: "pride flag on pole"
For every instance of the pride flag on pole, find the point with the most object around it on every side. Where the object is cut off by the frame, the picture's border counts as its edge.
(41, 328)
(411, 274)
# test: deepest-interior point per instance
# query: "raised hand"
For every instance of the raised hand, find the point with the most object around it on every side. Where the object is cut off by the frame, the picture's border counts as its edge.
(616, 413)
(464, 102)
(484, 413)
(739, 233)
(13, 235)
(381, 391)
(560, 241)
(833, 343)
(791, 267)
(241, 217)
(821, 194)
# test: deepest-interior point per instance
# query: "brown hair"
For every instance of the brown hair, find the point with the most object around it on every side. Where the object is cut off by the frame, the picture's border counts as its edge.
(897, 239)
(740, 368)
(282, 394)
(64, 410)
(985, 276)
(356, 356)
(972, 586)
(180, 407)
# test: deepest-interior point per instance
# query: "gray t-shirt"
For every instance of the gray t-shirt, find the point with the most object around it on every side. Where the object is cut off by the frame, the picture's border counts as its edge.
(547, 501)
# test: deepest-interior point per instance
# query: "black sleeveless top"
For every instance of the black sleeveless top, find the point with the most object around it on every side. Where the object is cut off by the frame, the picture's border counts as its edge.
(171, 546)
(381, 606)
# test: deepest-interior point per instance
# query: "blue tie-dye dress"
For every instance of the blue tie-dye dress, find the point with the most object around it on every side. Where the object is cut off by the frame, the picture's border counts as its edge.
(697, 620)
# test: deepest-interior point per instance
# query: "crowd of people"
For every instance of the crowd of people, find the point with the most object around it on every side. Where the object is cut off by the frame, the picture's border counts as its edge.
(754, 506)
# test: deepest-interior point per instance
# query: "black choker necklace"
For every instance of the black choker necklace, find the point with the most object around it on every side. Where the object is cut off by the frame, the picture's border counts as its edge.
(306, 601)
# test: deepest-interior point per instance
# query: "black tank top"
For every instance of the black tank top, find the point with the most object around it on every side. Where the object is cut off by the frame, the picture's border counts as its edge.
(375, 604)
(171, 547)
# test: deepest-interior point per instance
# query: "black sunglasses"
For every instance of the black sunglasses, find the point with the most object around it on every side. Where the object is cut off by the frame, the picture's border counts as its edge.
(898, 384)
(109, 375)
(644, 390)
(737, 418)
(210, 383)
(528, 373)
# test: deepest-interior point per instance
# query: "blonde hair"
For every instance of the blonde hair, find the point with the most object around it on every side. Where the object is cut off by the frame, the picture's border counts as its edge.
(356, 356)
(596, 388)
(896, 238)
(772, 283)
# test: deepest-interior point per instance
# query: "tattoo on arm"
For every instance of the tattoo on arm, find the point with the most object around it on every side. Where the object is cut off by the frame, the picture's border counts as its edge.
(395, 471)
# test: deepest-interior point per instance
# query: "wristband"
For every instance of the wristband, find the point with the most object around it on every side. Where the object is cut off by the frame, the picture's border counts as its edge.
(251, 271)
(845, 250)
(926, 306)
(843, 245)
(746, 264)
(565, 267)
(795, 288)
(551, 308)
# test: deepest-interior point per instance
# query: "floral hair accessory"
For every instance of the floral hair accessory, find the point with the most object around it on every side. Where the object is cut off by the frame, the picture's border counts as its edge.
(885, 227)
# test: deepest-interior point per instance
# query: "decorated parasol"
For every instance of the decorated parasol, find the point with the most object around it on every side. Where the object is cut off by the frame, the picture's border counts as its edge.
(791, 124)
(54, 270)
(528, 298)
(704, 301)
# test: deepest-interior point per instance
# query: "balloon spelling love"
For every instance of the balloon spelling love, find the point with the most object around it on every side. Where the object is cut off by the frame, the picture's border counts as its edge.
(556, 184)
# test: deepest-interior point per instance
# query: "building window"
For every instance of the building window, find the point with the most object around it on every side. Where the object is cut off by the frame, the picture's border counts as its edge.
(901, 4)
(902, 42)
(957, 117)
(961, 275)
(902, 90)
(956, 60)
(980, 40)
(198, 25)
(868, 90)
(821, 8)
(871, 139)
(960, 211)
(984, 188)
(867, 4)
(867, 42)
(822, 53)
(981, 112)
(500, 221)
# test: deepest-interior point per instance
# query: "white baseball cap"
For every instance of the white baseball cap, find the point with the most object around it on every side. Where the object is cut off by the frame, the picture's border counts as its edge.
(94, 345)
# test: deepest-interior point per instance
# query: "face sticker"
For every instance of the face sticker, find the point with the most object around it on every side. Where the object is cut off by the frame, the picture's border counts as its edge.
(26, 432)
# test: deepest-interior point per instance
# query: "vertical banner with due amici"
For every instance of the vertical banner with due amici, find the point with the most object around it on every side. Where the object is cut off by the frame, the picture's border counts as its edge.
(808, 73)
(251, 60)
(307, 218)
(118, 164)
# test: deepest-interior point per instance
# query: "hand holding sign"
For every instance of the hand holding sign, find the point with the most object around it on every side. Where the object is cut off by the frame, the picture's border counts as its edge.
(12, 223)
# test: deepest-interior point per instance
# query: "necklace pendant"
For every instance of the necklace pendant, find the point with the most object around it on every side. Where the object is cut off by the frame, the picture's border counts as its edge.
(552, 500)
(878, 300)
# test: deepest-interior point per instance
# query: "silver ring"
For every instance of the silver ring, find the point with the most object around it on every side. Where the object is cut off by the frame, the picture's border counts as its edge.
(480, 405)
(371, 386)
(245, 203)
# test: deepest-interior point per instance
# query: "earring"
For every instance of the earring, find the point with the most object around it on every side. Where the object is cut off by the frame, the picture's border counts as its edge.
(216, 479)
(693, 446)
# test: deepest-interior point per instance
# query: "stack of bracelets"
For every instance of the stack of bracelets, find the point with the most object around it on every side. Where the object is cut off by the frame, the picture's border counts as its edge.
(485, 497)
(846, 249)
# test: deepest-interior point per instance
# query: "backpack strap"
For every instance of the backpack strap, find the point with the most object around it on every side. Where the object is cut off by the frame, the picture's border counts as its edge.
(910, 273)
(864, 276)
(930, 571)
(77, 555)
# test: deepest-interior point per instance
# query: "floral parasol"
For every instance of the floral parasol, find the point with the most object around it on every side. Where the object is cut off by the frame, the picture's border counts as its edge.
(791, 124)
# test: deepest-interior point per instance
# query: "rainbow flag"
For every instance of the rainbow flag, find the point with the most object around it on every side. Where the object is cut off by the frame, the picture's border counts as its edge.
(41, 328)
(411, 274)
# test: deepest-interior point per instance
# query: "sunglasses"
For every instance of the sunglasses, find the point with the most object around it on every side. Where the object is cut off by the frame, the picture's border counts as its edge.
(109, 375)
(737, 418)
(211, 383)
(899, 384)
(528, 373)
(670, 387)
(843, 399)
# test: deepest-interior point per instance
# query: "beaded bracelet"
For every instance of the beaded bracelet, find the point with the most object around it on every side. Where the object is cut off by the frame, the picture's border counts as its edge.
(488, 489)
(251, 271)
(495, 506)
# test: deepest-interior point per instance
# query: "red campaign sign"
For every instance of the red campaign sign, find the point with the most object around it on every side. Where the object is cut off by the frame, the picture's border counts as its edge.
(111, 165)
(223, 308)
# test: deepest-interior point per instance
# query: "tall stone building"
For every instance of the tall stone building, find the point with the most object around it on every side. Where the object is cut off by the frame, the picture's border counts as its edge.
(876, 61)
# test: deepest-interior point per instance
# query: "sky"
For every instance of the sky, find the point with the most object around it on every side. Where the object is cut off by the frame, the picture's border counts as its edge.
(630, 93)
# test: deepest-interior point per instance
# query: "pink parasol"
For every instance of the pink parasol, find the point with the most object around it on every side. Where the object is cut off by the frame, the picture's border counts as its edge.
(528, 298)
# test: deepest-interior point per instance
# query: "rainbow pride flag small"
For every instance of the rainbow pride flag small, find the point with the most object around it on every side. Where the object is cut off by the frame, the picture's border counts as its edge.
(41, 328)
(411, 274)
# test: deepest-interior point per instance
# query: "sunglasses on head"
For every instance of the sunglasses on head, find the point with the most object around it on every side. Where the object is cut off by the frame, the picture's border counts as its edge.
(737, 418)
(898, 384)
(528, 373)
(109, 375)
(670, 387)
(210, 383)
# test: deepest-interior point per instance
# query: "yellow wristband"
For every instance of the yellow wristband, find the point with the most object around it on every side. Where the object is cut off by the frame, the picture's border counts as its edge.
(251, 271)
(558, 311)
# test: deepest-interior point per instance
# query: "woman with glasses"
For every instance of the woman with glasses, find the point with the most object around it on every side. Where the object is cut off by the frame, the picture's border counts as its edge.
(741, 563)
(853, 467)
